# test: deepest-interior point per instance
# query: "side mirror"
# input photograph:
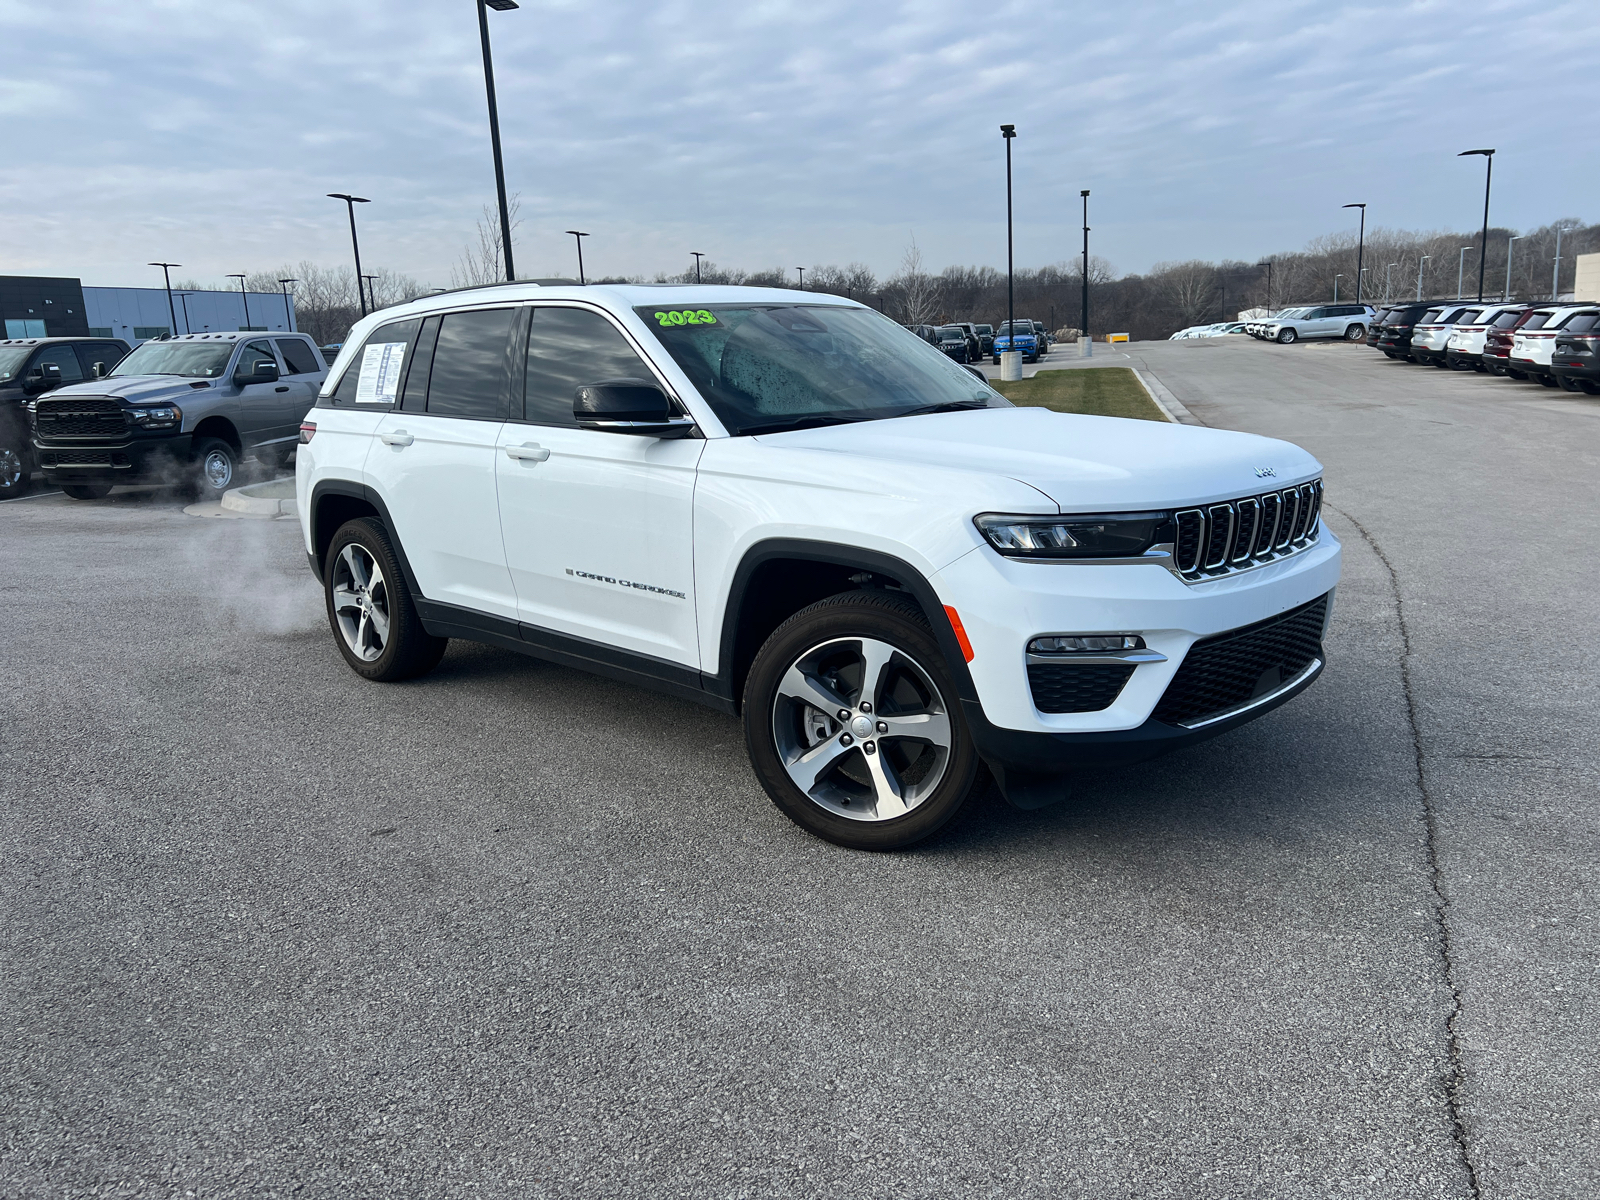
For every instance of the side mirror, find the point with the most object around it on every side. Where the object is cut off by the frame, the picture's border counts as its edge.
(99, 370)
(627, 406)
(265, 372)
(42, 378)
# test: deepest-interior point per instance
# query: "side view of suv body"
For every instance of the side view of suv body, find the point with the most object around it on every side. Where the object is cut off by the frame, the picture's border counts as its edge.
(1347, 321)
(785, 506)
(186, 408)
(30, 368)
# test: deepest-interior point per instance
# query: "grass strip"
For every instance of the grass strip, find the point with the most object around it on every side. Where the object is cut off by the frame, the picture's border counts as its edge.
(1098, 391)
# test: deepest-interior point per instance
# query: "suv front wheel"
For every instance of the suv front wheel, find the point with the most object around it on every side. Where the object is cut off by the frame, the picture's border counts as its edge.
(853, 725)
(374, 620)
(1355, 333)
(1287, 336)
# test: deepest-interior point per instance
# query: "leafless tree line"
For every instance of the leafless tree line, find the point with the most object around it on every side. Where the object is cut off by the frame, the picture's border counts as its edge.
(325, 299)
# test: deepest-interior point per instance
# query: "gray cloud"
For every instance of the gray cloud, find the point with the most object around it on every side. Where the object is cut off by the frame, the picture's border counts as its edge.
(771, 134)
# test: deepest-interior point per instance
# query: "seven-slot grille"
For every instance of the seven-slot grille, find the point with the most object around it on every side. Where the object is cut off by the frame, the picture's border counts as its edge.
(1230, 669)
(1231, 536)
(77, 418)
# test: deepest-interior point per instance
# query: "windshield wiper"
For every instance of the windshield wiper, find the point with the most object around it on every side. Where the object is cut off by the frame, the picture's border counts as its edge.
(811, 422)
(948, 406)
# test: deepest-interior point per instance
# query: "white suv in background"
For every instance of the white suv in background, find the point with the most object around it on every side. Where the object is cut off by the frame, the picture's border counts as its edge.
(1347, 321)
(1464, 346)
(1533, 344)
(1430, 336)
(784, 505)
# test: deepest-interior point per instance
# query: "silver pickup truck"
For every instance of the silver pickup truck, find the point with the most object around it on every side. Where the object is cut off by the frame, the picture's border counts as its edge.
(185, 410)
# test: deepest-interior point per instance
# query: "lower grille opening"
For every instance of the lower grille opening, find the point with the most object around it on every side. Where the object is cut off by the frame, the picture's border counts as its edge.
(1230, 669)
(1065, 688)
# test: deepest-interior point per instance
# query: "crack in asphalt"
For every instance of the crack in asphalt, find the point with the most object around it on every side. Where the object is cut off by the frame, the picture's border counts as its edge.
(1441, 901)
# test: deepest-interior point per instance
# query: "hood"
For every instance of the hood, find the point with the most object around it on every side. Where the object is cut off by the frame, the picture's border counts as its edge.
(134, 389)
(1084, 464)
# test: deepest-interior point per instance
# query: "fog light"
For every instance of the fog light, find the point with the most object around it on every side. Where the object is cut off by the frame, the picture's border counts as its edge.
(1097, 643)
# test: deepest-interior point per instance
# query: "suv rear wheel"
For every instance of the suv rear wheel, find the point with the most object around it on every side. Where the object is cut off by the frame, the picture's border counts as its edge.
(853, 726)
(1286, 336)
(374, 621)
(1355, 333)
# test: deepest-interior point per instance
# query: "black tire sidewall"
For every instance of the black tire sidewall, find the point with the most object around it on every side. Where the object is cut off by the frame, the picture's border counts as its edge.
(900, 624)
(25, 483)
(410, 650)
(203, 450)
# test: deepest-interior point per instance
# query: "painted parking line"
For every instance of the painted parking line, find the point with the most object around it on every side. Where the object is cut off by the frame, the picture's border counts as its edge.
(35, 496)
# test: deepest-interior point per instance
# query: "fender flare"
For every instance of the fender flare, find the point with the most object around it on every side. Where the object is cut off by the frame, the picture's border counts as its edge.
(359, 491)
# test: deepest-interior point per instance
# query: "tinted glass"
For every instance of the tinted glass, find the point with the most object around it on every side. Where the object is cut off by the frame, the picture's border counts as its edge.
(105, 353)
(415, 398)
(567, 348)
(1558, 321)
(298, 356)
(985, 329)
(1583, 323)
(469, 364)
(381, 360)
(64, 357)
(253, 354)
(1469, 316)
(199, 360)
(1506, 320)
(770, 366)
(1536, 321)
(11, 360)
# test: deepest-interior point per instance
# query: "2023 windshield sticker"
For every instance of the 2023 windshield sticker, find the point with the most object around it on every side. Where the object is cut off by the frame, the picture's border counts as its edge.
(685, 316)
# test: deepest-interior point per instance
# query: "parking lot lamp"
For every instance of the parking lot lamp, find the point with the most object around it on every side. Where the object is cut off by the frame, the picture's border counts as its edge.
(494, 127)
(1360, 281)
(1361, 246)
(288, 317)
(1085, 194)
(1420, 261)
(372, 291)
(1483, 241)
(1461, 269)
(350, 203)
(245, 296)
(697, 257)
(1510, 245)
(166, 274)
(1555, 271)
(1336, 279)
(183, 299)
(1268, 266)
(1388, 274)
(802, 271)
(579, 235)
(1008, 132)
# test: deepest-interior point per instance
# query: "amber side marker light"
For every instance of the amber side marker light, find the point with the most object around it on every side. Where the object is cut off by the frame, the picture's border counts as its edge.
(960, 632)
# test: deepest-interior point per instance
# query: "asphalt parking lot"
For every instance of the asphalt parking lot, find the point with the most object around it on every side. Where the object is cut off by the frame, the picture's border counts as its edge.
(514, 931)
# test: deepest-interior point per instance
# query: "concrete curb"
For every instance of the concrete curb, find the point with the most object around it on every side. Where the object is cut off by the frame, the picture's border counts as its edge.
(262, 499)
(1165, 400)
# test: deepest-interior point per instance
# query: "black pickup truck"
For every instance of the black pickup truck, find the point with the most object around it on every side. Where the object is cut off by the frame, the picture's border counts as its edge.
(30, 367)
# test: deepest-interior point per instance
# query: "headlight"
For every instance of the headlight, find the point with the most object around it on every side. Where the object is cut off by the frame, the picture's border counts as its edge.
(1095, 535)
(157, 416)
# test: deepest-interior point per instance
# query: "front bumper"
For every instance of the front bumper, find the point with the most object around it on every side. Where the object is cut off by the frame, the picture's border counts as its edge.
(113, 462)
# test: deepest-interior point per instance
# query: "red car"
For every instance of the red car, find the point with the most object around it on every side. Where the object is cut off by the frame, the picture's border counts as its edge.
(1497, 345)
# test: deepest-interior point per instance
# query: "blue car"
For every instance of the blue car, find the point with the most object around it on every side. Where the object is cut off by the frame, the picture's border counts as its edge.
(1027, 339)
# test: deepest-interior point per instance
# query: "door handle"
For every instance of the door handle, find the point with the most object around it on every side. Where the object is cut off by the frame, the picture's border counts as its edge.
(528, 452)
(398, 438)
(280, 389)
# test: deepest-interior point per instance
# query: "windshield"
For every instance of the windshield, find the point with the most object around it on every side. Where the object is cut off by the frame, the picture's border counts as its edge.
(953, 333)
(11, 360)
(1022, 327)
(768, 367)
(205, 360)
(985, 328)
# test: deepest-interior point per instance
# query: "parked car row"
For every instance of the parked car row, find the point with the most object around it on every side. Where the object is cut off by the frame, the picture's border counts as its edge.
(1220, 329)
(90, 414)
(1557, 344)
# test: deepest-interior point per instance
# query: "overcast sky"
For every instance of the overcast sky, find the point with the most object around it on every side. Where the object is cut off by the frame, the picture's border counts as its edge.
(773, 134)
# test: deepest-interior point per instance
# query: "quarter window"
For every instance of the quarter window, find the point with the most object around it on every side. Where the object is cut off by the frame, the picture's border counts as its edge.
(469, 364)
(1583, 322)
(567, 348)
(382, 359)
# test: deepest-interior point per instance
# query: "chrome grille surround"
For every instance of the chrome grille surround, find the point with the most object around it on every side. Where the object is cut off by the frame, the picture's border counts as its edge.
(1221, 539)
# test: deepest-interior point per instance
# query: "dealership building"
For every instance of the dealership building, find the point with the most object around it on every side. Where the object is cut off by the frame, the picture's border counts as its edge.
(36, 306)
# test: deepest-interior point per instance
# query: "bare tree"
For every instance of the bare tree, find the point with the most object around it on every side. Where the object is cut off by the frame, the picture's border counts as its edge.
(483, 263)
(917, 291)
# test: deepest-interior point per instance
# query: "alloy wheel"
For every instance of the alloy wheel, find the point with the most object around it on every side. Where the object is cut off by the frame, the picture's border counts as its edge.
(11, 469)
(862, 729)
(361, 602)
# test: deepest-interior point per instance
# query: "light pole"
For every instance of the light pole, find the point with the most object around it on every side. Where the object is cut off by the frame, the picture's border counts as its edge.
(1007, 132)
(183, 299)
(1461, 269)
(1268, 266)
(1336, 279)
(350, 203)
(1509, 245)
(372, 292)
(165, 274)
(1420, 261)
(288, 317)
(802, 271)
(1483, 242)
(579, 235)
(494, 128)
(1555, 272)
(1085, 194)
(697, 257)
(1388, 273)
(243, 295)
(1359, 280)
(1361, 246)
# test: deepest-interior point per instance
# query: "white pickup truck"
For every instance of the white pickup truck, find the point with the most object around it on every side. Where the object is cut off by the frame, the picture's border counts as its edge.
(785, 506)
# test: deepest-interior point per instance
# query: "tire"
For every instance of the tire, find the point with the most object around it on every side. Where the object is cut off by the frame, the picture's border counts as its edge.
(1510, 374)
(1287, 337)
(16, 471)
(1567, 385)
(370, 610)
(1391, 354)
(997, 360)
(1546, 381)
(1355, 333)
(216, 467)
(87, 491)
(822, 654)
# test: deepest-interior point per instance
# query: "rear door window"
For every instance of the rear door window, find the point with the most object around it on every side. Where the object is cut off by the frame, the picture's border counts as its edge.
(471, 365)
(298, 356)
(374, 375)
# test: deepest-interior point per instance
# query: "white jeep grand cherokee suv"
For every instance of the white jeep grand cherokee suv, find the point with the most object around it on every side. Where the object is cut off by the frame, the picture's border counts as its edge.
(786, 506)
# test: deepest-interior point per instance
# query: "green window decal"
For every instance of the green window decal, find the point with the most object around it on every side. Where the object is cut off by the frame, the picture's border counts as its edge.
(686, 316)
